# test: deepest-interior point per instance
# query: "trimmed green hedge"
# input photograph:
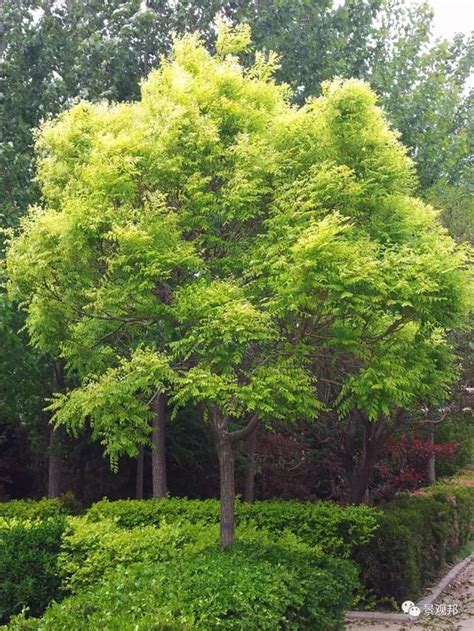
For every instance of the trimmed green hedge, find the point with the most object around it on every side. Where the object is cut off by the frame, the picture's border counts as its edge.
(32, 509)
(339, 530)
(417, 535)
(155, 564)
(400, 547)
(92, 550)
(29, 572)
(254, 586)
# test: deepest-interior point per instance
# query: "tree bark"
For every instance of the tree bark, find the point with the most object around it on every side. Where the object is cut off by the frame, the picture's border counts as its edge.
(139, 480)
(158, 452)
(360, 487)
(225, 445)
(251, 466)
(373, 438)
(55, 460)
(431, 464)
(225, 451)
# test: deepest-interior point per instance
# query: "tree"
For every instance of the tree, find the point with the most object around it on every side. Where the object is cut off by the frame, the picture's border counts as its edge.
(174, 162)
(372, 280)
(215, 244)
(179, 205)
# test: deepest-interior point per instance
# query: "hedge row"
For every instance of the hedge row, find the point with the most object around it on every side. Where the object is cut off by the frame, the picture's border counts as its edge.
(400, 548)
(417, 535)
(129, 560)
(339, 530)
(29, 570)
(183, 581)
(32, 509)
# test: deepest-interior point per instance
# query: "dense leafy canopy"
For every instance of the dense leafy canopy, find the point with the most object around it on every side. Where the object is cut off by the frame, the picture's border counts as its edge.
(216, 241)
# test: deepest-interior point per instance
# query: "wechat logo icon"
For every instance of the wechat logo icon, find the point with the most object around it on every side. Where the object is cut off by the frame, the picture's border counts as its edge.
(409, 607)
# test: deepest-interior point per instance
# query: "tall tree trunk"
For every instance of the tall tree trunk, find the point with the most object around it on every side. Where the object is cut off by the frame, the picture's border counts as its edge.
(158, 452)
(360, 487)
(55, 460)
(225, 451)
(139, 479)
(251, 465)
(225, 445)
(373, 437)
(431, 464)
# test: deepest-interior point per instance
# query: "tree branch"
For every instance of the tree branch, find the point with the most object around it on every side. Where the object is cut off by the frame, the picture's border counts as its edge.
(240, 434)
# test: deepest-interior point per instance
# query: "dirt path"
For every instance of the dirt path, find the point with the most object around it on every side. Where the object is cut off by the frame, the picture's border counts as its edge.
(458, 597)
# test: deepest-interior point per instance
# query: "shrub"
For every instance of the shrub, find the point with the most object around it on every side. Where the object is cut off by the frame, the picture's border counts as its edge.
(459, 429)
(416, 536)
(32, 509)
(338, 529)
(91, 550)
(132, 513)
(252, 586)
(29, 573)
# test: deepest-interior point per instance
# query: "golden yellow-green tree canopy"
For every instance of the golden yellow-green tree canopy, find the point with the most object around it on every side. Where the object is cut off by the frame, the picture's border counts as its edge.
(222, 238)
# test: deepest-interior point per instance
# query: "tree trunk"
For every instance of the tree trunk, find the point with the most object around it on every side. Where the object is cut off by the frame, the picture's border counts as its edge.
(251, 466)
(431, 465)
(225, 444)
(55, 460)
(139, 480)
(55, 464)
(225, 452)
(373, 437)
(158, 452)
(360, 486)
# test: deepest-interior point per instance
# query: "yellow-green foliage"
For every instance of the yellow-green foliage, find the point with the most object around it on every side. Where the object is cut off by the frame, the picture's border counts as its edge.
(225, 238)
(90, 550)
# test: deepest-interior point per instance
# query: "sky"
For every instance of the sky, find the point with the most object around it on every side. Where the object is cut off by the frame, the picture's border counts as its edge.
(452, 16)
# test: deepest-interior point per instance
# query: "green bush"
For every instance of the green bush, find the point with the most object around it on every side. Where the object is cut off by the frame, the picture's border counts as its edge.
(417, 536)
(133, 513)
(91, 550)
(338, 529)
(457, 428)
(32, 509)
(253, 586)
(29, 573)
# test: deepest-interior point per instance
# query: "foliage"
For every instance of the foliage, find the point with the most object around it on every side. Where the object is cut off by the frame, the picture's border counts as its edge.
(259, 585)
(459, 429)
(23, 388)
(57, 53)
(404, 464)
(271, 225)
(337, 529)
(416, 536)
(133, 513)
(90, 550)
(29, 570)
(25, 510)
